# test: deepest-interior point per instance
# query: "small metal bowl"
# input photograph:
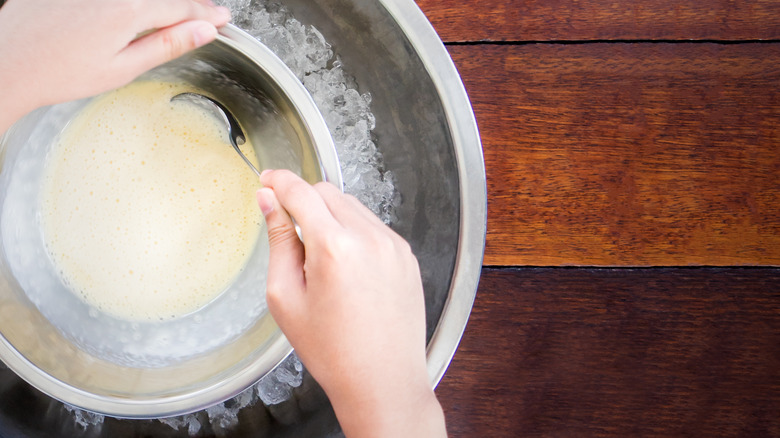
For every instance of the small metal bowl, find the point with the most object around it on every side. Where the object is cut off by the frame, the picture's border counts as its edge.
(88, 359)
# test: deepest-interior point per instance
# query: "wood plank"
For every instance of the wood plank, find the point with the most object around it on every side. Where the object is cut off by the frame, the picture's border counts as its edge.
(629, 154)
(561, 20)
(647, 352)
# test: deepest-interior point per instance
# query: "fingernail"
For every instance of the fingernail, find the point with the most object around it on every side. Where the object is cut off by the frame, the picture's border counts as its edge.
(265, 172)
(265, 201)
(204, 33)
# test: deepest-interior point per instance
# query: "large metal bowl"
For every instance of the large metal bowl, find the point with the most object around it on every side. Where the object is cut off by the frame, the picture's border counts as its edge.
(427, 133)
(93, 360)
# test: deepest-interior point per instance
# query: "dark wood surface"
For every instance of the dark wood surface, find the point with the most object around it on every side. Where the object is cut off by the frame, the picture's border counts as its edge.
(653, 352)
(622, 134)
(629, 154)
(577, 20)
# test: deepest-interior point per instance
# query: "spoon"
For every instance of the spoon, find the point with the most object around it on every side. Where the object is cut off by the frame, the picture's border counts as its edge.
(235, 134)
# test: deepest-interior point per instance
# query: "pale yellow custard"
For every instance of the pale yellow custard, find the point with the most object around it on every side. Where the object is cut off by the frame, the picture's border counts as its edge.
(147, 211)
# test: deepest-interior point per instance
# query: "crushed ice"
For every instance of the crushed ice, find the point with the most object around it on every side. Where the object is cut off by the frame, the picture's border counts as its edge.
(347, 112)
(348, 115)
(84, 419)
(276, 387)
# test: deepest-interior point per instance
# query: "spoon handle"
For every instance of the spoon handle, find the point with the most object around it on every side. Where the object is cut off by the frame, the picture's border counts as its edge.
(235, 133)
(246, 160)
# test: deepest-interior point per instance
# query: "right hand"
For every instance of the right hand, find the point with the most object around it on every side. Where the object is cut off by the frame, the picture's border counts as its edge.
(350, 300)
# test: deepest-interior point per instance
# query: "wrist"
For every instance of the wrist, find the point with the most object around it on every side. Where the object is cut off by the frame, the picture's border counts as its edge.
(401, 409)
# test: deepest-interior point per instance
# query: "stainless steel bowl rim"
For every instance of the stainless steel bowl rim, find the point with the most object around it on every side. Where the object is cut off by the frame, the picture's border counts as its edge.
(473, 187)
(300, 98)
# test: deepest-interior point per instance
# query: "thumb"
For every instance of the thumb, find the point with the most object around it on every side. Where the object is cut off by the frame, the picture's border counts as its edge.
(286, 282)
(166, 44)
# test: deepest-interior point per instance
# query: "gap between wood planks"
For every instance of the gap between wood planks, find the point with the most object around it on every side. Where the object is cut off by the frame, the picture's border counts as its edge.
(608, 41)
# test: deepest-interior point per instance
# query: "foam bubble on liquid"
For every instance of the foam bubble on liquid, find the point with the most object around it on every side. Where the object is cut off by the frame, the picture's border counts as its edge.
(146, 212)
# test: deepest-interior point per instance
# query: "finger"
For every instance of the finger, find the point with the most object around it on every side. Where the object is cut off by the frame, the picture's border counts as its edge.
(301, 200)
(367, 212)
(158, 14)
(346, 208)
(286, 282)
(164, 45)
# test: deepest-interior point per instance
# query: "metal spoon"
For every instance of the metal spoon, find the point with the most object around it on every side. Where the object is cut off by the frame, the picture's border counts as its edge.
(235, 134)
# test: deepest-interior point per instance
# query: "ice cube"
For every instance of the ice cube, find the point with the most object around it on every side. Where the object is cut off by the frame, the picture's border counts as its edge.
(189, 421)
(84, 419)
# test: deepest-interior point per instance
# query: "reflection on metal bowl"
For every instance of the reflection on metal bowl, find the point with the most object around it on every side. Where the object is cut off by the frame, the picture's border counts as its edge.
(427, 133)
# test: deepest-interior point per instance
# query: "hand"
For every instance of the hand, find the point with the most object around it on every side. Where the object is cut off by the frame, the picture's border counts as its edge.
(350, 301)
(53, 51)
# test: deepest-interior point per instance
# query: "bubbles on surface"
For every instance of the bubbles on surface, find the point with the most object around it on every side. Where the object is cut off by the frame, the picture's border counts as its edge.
(123, 244)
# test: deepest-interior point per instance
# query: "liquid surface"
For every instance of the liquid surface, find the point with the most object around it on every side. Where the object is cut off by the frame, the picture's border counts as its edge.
(147, 211)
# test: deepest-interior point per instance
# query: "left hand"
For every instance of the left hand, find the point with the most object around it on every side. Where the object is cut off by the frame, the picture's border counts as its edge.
(53, 51)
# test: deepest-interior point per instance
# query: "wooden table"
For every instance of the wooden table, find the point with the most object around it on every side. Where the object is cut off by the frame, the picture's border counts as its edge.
(630, 285)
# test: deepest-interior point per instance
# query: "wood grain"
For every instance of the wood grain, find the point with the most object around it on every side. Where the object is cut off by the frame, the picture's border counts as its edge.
(557, 20)
(629, 154)
(648, 352)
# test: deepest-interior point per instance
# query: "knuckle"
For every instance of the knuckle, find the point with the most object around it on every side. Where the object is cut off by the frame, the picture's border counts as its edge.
(381, 241)
(274, 298)
(284, 174)
(280, 234)
(351, 202)
(391, 243)
(173, 46)
(387, 244)
(351, 198)
(339, 245)
(293, 189)
(321, 185)
(327, 189)
(403, 246)
(274, 291)
(296, 191)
